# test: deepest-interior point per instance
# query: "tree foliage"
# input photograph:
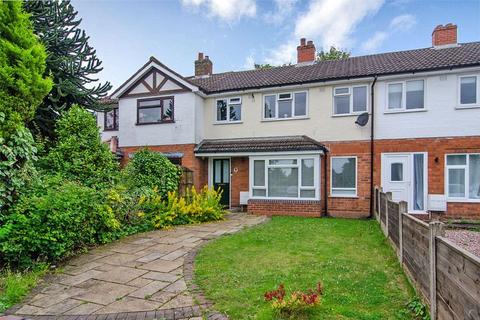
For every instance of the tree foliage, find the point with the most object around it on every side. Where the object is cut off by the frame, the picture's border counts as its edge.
(79, 154)
(23, 85)
(332, 54)
(71, 61)
(260, 66)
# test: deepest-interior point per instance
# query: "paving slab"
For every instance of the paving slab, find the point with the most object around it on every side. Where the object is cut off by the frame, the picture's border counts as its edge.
(119, 274)
(161, 265)
(161, 276)
(148, 290)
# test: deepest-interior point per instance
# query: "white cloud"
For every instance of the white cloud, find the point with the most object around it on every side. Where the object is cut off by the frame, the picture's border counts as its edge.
(283, 10)
(403, 22)
(375, 41)
(327, 23)
(229, 11)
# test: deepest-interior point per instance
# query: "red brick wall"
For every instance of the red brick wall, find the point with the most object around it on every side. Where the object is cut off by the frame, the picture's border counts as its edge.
(239, 180)
(197, 165)
(443, 35)
(304, 208)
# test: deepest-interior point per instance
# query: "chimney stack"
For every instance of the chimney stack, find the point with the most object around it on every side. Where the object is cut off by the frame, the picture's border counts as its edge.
(305, 51)
(203, 66)
(444, 35)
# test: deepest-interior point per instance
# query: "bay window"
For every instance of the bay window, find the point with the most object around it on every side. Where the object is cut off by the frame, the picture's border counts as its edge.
(343, 176)
(285, 177)
(406, 95)
(469, 88)
(229, 110)
(349, 100)
(285, 105)
(463, 177)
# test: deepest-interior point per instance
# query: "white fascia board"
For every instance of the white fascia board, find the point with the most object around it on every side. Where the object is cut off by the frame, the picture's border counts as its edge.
(252, 154)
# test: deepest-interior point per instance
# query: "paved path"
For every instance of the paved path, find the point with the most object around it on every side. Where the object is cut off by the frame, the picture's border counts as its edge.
(139, 277)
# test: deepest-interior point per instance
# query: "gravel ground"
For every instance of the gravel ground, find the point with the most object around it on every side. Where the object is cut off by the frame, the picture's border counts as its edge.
(469, 240)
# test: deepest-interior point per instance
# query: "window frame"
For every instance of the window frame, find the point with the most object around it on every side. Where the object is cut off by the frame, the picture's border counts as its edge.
(350, 94)
(277, 98)
(404, 96)
(466, 168)
(316, 180)
(332, 194)
(116, 119)
(228, 120)
(461, 105)
(161, 99)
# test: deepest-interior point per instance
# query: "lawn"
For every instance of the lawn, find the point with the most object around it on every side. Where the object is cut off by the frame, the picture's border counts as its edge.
(361, 276)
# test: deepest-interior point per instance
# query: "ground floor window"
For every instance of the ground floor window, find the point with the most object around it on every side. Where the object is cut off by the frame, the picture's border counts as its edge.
(343, 176)
(463, 176)
(285, 177)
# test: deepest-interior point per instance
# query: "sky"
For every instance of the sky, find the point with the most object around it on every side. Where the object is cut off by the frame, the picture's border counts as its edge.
(235, 34)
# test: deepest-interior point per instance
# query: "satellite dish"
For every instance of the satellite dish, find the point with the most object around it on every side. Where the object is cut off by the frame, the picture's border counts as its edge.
(362, 119)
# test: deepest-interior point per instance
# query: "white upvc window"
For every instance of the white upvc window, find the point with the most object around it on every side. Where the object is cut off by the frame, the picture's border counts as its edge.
(285, 177)
(406, 95)
(286, 105)
(462, 177)
(468, 91)
(350, 100)
(228, 110)
(343, 176)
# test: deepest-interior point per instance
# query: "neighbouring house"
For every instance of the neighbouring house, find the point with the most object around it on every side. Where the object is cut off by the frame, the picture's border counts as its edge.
(314, 138)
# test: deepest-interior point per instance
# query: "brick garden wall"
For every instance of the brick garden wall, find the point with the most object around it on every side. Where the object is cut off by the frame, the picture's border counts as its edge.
(285, 207)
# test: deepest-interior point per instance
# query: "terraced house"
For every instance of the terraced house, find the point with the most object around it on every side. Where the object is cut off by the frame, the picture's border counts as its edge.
(313, 138)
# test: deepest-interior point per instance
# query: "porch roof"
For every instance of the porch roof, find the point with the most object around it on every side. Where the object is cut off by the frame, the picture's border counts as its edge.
(255, 145)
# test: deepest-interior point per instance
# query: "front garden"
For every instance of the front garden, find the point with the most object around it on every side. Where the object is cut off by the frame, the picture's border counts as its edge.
(358, 271)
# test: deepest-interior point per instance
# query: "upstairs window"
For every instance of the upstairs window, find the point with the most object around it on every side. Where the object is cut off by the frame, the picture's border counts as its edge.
(157, 110)
(349, 100)
(229, 110)
(285, 105)
(110, 120)
(406, 95)
(468, 90)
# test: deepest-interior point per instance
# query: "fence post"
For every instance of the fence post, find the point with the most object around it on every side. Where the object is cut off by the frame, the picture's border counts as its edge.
(402, 208)
(436, 229)
(388, 197)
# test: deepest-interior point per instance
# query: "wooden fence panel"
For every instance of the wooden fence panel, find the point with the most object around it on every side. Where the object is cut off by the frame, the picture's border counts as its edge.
(393, 228)
(458, 282)
(416, 252)
(383, 208)
(186, 181)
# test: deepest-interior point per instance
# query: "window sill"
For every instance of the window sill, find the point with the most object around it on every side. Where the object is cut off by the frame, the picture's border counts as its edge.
(150, 123)
(285, 119)
(110, 130)
(283, 199)
(343, 196)
(464, 200)
(467, 106)
(349, 114)
(227, 122)
(404, 111)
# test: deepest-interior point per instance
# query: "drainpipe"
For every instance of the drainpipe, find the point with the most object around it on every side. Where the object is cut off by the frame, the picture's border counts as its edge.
(372, 146)
(325, 191)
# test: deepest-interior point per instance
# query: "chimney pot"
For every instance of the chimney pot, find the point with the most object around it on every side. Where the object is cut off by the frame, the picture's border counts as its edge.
(305, 51)
(444, 35)
(302, 41)
(200, 56)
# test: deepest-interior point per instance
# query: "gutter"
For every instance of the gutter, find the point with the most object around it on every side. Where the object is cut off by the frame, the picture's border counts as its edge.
(372, 146)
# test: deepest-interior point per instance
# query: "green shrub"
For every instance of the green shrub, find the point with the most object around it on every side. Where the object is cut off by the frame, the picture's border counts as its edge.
(149, 169)
(52, 221)
(79, 154)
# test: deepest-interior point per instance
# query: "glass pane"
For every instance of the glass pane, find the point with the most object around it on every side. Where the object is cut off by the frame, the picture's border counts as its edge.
(283, 162)
(110, 119)
(343, 172)
(341, 91)
(235, 112)
(396, 172)
(221, 110)
(474, 176)
(456, 183)
(301, 104)
(418, 182)
(395, 96)
(167, 110)
(283, 182)
(116, 118)
(307, 173)
(414, 94)
(307, 193)
(259, 192)
(338, 192)
(270, 106)
(468, 90)
(285, 96)
(149, 115)
(226, 171)
(457, 160)
(284, 108)
(149, 103)
(359, 99)
(259, 173)
(217, 171)
(342, 104)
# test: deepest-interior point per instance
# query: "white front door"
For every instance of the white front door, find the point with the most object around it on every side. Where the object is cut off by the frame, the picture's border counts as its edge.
(405, 176)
